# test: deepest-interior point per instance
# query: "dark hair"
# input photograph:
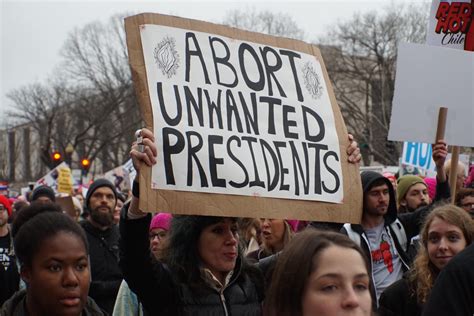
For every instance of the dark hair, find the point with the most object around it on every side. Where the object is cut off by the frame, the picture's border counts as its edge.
(377, 183)
(295, 265)
(181, 251)
(462, 193)
(38, 222)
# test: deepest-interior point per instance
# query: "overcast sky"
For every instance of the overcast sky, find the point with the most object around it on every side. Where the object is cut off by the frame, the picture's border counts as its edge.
(33, 32)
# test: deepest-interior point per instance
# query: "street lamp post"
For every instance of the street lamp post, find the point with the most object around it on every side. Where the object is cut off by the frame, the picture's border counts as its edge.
(68, 151)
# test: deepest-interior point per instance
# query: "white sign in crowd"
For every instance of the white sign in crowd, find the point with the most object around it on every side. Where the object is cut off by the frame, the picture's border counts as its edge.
(238, 117)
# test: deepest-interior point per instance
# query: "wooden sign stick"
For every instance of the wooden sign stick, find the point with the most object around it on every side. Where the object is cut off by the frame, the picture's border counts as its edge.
(454, 172)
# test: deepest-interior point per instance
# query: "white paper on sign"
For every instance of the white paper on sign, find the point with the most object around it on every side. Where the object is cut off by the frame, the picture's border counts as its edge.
(242, 118)
(430, 77)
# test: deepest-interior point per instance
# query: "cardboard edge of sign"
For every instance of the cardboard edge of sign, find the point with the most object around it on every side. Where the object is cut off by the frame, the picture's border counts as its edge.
(193, 203)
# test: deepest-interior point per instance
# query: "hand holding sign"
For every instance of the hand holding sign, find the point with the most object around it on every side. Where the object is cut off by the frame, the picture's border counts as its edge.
(147, 156)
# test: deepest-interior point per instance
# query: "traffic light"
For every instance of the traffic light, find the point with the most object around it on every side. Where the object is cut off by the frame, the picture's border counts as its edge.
(85, 163)
(56, 158)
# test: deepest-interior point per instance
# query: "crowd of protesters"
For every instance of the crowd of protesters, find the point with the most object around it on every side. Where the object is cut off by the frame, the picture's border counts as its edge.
(411, 254)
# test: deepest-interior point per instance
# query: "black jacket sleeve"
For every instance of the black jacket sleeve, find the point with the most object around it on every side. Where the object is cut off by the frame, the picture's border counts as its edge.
(412, 221)
(398, 300)
(149, 279)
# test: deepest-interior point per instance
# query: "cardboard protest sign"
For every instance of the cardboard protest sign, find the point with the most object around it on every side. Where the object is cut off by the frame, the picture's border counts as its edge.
(450, 24)
(119, 177)
(51, 178)
(430, 77)
(67, 205)
(247, 117)
(65, 181)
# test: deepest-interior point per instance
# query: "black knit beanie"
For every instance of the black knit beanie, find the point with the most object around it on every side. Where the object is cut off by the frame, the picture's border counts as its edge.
(43, 190)
(98, 184)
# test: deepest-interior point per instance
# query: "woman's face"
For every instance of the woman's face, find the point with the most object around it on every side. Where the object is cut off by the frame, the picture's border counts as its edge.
(444, 241)
(273, 232)
(218, 247)
(339, 285)
(59, 277)
(157, 236)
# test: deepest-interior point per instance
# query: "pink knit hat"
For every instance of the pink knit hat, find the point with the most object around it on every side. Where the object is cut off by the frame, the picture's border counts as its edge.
(431, 185)
(161, 220)
(293, 224)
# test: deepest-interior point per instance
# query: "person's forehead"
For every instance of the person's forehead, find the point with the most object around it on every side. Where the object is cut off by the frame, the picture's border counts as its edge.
(417, 186)
(104, 190)
(378, 187)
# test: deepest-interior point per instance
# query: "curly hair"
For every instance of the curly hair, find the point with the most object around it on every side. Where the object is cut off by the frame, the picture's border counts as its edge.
(424, 272)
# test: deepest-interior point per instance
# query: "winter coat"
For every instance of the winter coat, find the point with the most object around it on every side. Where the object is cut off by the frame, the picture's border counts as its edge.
(399, 299)
(105, 270)
(162, 292)
(15, 306)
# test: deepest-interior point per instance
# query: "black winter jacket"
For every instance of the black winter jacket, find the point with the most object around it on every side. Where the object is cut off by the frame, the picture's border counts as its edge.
(162, 293)
(105, 270)
(399, 299)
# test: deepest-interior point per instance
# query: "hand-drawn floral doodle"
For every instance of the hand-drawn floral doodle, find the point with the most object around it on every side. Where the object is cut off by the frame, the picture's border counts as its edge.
(166, 56)
(312, 81)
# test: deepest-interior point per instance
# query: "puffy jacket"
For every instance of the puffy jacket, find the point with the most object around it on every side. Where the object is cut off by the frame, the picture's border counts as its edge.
(162, 293)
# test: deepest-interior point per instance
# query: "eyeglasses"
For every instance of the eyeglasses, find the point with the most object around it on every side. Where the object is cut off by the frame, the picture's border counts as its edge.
(468, 206)
(159, 235)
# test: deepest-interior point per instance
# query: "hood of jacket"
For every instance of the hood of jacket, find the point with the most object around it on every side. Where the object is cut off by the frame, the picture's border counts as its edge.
(368, 178)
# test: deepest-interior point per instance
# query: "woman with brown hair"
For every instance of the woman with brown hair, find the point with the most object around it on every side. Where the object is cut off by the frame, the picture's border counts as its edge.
(447, 230)
(320, 273)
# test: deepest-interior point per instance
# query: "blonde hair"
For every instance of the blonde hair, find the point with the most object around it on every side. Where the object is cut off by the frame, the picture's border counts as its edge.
(424, 272)
(287, 236)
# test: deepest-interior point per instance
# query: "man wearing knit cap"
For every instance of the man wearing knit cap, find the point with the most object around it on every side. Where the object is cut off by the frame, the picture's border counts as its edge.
(103, 237)
(9, 276)
(412, 193)
(43, 194)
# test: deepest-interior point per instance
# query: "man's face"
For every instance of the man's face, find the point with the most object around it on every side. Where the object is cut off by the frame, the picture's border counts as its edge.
(43, 200)
(416, 196)
(376, 200)
(102, 204)
(467, 203)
